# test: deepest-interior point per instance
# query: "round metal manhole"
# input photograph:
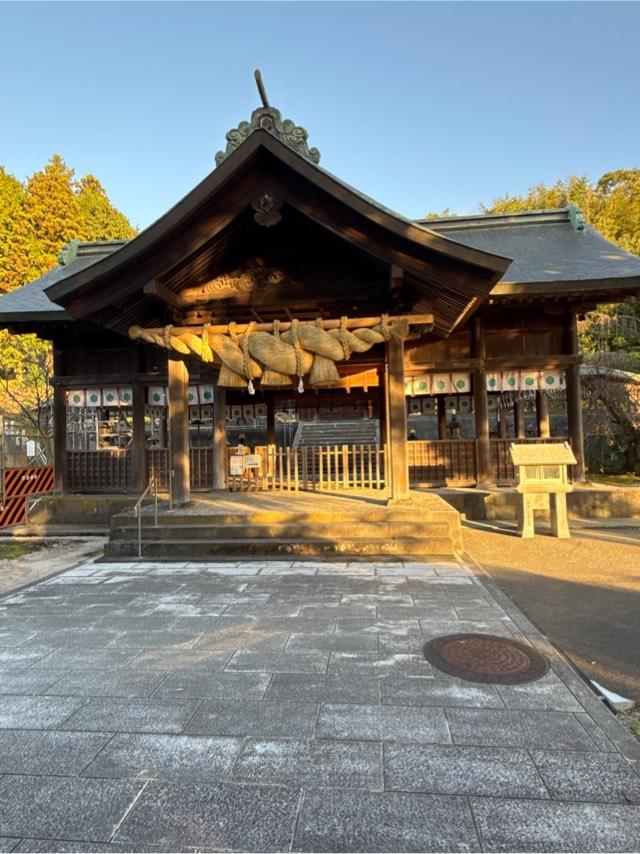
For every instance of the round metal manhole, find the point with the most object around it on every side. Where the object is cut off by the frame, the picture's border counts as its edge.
(486, 658)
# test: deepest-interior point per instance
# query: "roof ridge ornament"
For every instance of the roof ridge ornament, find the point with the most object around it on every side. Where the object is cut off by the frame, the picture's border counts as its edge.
(268, 118)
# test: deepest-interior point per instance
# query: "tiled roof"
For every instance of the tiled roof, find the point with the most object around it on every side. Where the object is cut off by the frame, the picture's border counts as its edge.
(552, 249)
(30, 302)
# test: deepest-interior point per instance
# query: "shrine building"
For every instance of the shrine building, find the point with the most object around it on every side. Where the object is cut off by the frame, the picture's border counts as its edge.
(277, 301)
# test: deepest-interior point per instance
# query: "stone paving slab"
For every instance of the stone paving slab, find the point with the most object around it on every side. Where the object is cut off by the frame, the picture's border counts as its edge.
(288, 706)
(521, 825)
(462, 771)
(310, 763)
(588, 776)
(222, 817)
(507, 728)
(169, 757)
(383, 723)
(244, 718)
(64, 807)
(116, 715)
(47, 752)
(212, 686)
(36, 712)
(367, 821)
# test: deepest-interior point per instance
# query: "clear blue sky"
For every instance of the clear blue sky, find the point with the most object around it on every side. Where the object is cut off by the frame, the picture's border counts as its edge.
(420, 105)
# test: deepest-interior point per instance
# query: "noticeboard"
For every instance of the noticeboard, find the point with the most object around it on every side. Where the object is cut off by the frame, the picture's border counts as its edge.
(236, 464)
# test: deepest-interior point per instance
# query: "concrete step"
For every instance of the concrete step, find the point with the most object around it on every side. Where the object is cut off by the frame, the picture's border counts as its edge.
(284, 530)
(301, 546)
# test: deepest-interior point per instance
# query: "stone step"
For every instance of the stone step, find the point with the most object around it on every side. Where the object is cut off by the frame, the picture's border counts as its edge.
(269, 517)
(301, 546)
(282, 530)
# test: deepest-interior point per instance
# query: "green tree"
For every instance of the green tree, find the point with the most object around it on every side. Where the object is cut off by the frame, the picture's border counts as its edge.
(20, 253)
(100, 220)
(36, 220)
(52, 206)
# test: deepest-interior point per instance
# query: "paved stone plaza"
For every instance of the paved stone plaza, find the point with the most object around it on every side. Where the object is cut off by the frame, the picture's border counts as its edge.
(287, 706)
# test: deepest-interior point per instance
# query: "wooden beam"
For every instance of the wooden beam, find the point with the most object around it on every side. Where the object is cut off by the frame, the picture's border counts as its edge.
(156, 289)
(519, 417)
(397, 413)
(351, 323)
(138, 440)
(219, 437)
(542, 414)
(481, 405)
(59, 428)
(442, 416)
(179, 429)
(574, 399)
(271, 419)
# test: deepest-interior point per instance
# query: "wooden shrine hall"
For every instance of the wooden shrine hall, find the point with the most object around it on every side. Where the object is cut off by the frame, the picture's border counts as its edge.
(275, 295)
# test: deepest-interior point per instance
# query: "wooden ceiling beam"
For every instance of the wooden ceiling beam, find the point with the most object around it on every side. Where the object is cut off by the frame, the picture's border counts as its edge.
(156, 289)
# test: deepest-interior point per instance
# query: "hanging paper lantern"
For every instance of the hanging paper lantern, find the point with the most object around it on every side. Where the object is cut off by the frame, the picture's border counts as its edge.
(428, 406)
(110, 397)
(126, 396)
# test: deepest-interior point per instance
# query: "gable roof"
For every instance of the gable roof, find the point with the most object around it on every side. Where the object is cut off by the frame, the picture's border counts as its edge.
(450, 273)
(554, 252)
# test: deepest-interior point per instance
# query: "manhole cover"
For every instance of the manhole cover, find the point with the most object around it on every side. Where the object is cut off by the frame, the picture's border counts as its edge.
(486, 658)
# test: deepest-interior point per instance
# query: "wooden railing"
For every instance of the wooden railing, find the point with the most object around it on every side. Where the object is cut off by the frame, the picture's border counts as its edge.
(313, 467)
(200, 466)
(107, 470)
(442, 462)
(504, 473)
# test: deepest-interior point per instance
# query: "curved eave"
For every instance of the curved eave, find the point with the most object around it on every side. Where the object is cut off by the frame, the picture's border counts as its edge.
(630, 285)
(152, 237)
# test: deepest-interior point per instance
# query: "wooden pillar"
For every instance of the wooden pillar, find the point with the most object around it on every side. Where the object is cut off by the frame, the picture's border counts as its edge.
(503, 424)
(59, 426)
(542, 414)
(442, 416)
(220, 437)
(271, 419)
(519, 418)
(179, 429)
(397, 420)
(574, 399)
(138, 440)
(382, 406)
(481, 405)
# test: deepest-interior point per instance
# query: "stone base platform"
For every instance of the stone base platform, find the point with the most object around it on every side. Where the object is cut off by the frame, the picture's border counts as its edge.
(299, 524)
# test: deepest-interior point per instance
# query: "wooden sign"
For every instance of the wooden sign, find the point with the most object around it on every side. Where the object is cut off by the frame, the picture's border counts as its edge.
(252, 461)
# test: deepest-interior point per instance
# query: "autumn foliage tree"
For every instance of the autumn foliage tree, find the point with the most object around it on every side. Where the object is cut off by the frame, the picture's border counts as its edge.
(37, 218)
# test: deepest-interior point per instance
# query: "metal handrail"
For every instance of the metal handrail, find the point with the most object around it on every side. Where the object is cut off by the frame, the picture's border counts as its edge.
(137, 510)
